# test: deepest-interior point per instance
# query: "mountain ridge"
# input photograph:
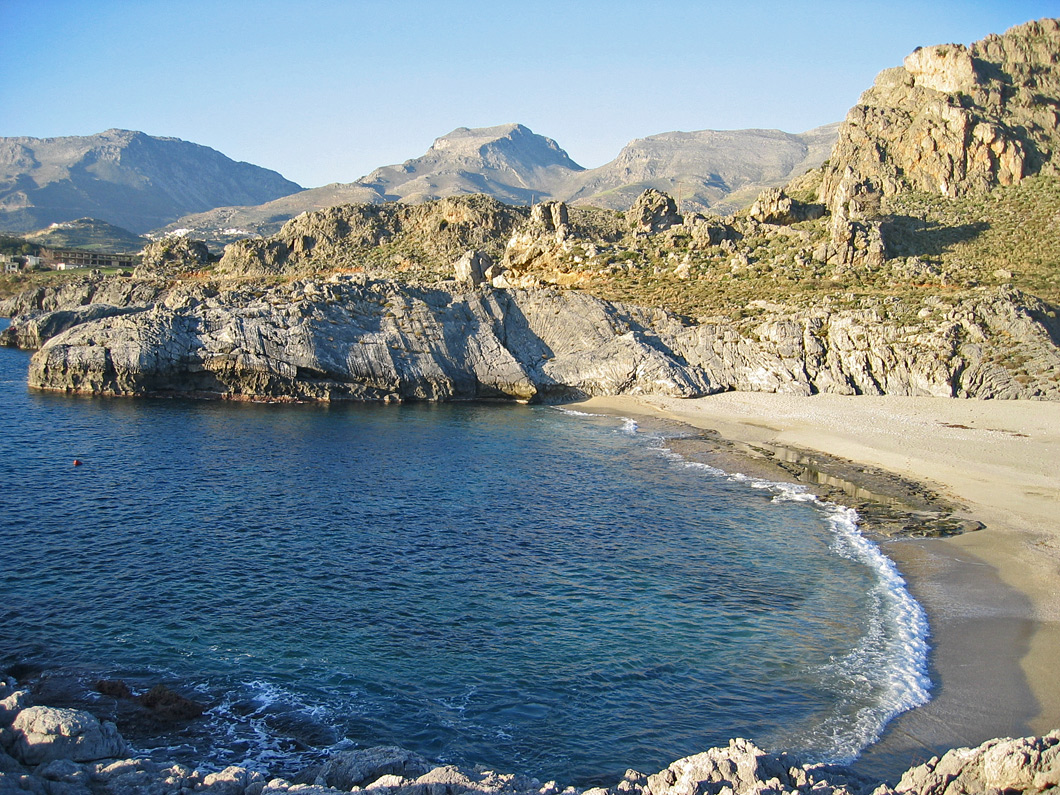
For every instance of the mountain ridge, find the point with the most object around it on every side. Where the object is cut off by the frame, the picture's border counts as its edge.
(124, 177)
(513, 164)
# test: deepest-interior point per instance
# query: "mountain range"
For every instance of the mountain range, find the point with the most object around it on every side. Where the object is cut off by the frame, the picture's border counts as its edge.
(164, 185)
(136, 181)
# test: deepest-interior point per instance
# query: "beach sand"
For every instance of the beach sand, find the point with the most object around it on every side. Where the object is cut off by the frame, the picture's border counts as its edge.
(993, 595)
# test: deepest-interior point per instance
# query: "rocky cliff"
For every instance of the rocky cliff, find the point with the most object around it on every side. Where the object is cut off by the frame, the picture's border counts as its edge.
(52, 751)
(132, 180)
(954, 119)
(348, 337)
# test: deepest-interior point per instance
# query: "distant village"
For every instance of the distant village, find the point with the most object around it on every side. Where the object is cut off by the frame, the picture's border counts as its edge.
(62, 259)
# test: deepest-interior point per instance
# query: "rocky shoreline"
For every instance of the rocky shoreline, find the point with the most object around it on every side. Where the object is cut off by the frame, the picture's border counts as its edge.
(61, 751)
(349, 337)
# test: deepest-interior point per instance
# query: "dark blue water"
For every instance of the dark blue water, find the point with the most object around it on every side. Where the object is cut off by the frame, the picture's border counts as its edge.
(519, 587)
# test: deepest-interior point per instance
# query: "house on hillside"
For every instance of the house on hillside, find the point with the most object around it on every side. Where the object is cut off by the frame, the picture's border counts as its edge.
(11, 264)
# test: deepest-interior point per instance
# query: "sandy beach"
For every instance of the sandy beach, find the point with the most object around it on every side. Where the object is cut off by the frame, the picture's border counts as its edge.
(993, 595)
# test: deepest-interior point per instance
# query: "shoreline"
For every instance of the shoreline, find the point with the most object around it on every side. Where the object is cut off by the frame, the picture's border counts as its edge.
(992, 595)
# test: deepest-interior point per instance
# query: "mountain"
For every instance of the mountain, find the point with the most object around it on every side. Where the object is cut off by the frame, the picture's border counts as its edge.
(130, 179)
(718, 171)
(508, 162)
(88, 234)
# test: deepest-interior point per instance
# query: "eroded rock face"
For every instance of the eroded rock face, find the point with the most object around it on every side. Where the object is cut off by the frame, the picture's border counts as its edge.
(774, 206)
(954, 120)
(351, 338)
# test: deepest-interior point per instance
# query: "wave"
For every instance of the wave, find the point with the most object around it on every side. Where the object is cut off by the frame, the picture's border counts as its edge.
(886, 674)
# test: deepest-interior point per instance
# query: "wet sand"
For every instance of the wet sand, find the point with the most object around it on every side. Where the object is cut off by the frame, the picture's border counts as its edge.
(992, 595)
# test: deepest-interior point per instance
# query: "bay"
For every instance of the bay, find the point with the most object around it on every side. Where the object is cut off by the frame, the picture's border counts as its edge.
(525, 588)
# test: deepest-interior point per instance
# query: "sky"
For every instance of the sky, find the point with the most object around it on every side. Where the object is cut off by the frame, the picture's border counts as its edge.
(325, 91)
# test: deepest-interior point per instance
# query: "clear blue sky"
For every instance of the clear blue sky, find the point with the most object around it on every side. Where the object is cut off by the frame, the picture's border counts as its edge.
(324, 91)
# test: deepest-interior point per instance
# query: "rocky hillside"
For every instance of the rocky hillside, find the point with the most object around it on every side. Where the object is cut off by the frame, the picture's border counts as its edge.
(711, 170)
(88, 234)
(129, 179)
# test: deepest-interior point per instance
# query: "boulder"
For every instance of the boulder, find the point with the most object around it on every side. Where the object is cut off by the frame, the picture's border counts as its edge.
(11, 705)
(46, 733)
(170, 706)
(472, 267)
(774, 206)
(652, 212)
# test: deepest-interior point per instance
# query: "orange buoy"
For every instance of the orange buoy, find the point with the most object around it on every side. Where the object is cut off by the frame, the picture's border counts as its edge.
(77, 463)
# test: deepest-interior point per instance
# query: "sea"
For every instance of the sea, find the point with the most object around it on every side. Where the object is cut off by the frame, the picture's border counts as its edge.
(532, 589)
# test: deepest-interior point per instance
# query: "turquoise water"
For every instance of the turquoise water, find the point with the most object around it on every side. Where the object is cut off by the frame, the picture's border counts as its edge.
(525, 588)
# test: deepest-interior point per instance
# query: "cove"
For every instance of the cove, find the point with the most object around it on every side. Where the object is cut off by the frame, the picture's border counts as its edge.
(525, 588)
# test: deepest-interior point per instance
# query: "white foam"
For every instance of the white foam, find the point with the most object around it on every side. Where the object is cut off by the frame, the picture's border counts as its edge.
(892, 656)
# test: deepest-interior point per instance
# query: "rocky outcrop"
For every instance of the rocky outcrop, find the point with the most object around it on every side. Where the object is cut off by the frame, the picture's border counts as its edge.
(427, 237)
(82, 291)
(954, 119)
(42, 312)
(774, 206)
(171, 257)
(652, 212)
(351, 338)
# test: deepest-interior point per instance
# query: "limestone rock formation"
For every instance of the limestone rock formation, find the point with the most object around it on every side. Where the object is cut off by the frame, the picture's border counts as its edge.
(954, 120)
(171, 257)
(69, 752)
(43, 312)
(349, 337)
(350, 769)
(471, 268)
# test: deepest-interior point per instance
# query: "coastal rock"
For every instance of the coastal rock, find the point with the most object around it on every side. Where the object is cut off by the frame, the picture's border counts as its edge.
(350, 769)
(82, 291)
(11, 705)
(350, 338)
(169, 706)
(46, 733)
(29, 332)
(1025, 765)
